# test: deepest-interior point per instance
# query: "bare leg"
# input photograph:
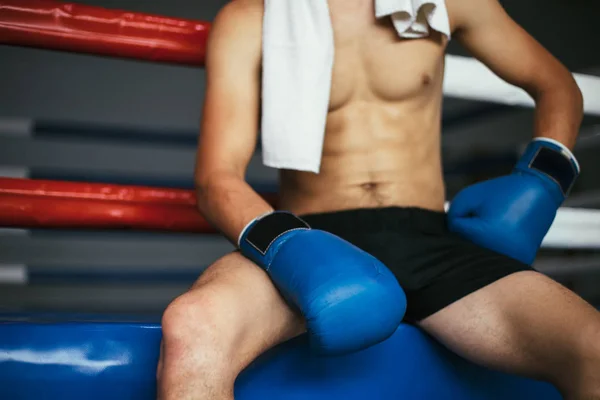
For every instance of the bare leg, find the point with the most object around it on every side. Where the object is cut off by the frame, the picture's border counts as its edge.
(230, 316)
(527, 324)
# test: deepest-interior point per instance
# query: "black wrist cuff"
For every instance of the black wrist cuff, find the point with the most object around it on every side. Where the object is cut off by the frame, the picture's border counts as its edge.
(267, 229)
(558, 167)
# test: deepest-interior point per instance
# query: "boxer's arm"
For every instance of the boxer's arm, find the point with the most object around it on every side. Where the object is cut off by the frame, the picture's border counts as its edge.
(494, 38)
(230, 119)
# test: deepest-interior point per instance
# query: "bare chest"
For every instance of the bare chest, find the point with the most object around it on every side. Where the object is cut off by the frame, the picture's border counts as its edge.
(373, 62)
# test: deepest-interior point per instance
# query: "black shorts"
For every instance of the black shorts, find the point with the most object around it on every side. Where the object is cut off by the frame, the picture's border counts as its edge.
(434, 266)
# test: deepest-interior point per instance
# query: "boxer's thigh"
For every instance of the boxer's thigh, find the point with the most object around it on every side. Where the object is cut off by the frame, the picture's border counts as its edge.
(235, 304)
(524, 323)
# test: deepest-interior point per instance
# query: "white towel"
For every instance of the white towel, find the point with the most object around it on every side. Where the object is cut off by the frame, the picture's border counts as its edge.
(297, 63)
(298, 54)
(414, 18)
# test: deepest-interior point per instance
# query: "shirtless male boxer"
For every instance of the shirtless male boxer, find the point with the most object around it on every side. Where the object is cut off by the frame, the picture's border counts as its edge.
(381, 188)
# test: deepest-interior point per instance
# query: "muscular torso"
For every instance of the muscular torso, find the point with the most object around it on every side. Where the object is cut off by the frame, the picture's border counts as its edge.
(382, 142)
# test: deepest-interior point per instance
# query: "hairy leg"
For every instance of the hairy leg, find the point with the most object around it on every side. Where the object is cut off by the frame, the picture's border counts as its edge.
(527, 324)
(229, 317)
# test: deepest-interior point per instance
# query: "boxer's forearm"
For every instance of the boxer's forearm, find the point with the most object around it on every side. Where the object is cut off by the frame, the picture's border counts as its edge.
(559, 111)
(229, 203)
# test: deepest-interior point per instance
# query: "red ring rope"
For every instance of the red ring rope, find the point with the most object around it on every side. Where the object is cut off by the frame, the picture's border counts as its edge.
(28, 203)
(80, 28)
(97, 191)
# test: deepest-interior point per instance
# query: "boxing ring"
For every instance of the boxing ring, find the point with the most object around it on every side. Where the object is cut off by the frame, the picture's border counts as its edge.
(75, 357)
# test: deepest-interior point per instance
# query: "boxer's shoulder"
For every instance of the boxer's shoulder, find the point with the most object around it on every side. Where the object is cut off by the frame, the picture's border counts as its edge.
(237, 29)
(465, 14)
(243, 15)
(244, 7)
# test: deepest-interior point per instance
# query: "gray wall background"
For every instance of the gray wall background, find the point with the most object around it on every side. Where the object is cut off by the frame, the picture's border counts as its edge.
(141, 272)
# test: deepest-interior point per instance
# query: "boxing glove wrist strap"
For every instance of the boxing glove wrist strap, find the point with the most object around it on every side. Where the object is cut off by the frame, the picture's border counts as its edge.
(551, 159)
(264, 230)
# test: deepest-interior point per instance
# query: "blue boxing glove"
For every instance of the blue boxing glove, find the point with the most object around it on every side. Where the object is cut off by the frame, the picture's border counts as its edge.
(512, 214)
(349, 299)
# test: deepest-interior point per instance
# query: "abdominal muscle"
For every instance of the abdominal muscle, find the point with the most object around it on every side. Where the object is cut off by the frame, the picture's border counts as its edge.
(381, 148)
(371, 159)
(382, 139)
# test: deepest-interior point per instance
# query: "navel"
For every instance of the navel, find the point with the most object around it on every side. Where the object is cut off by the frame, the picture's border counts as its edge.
(369, 187)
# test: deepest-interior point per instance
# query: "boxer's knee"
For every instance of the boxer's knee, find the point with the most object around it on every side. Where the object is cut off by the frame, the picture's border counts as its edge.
(198, 329)
(579, 376)
(195, 361)
(590, 359)
(229, 317)
(201, 330)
